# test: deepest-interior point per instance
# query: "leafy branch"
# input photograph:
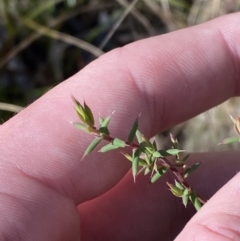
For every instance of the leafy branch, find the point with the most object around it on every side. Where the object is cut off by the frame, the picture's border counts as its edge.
(145, 157)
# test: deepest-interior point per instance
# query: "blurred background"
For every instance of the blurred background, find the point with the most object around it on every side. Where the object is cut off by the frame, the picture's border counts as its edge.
(43, 42)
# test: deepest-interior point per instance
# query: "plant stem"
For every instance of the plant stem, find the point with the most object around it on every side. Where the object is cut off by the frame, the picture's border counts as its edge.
(180, 177)
(175, 170)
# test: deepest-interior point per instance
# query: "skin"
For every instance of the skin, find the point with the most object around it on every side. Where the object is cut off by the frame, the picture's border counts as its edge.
(48, 193)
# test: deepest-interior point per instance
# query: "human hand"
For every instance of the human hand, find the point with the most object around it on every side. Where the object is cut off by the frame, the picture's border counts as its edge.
(47, 193)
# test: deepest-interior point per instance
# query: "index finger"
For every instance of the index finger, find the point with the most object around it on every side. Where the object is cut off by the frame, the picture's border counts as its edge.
(168, 79)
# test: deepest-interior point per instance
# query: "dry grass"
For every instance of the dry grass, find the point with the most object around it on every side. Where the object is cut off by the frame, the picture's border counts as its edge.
(10, 107)
(204, 132)
(144, 16)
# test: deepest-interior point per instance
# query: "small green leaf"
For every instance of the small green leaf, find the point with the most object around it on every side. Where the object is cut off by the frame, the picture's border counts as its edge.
(135, 162)
(156, 154)
(147, 158)
(195, 201)
(147, 170)
(179, 185)
(186, 192)
(101, 120)
(108, 147)
(147, 146)
(106, 121)
(155, 167)
(133, 131)
(139, 136)
(185, 200)
(191, 169)
(153, 159)
(84, 113)
(127, 156)
(93, 144)
(81, 126)
(119, 143)
(104, 130)
(89, 114)
(186, 158)
(155, 177)
(79, 109)
(142, 162)
(230, 140)
(174, 152)
(170, 152)
(158, 174)
(175, 190)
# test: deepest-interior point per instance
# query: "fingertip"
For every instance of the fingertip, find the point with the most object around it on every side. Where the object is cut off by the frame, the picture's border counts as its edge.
(219, 218)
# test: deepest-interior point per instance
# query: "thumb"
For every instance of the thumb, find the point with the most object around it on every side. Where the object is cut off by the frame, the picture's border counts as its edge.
(219, 218)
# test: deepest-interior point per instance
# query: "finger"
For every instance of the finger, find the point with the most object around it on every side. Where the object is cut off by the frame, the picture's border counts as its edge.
(167, 79)
(219, 218)
(32, 211)
(143, 211)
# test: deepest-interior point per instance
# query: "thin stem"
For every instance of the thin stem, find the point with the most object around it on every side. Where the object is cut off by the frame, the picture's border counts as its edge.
(175, 170)
(180, 177)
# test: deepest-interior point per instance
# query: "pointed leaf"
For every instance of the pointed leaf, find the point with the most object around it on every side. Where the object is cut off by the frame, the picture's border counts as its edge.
(147, 170)
(142, 162)
(155, 177)
(186, 192)
(139, 136)
(147, 158)
(135, 162)
(127, 156)
(133, 131)
(108, 147)
(191, 169)
(81, 126)
(147, 146)
(78, 105)
(79, 109)
(106, 121)
(185, 200)
(156, 154)
(179, 185)
(174, 151)
(100, 120)
(153, 159)
(155, 167)
(170, 152)
(195, 201)
(158, 174)
(93, 144)
(89, 114)
(104, 130)
(230, 140)
(186, 157)
(175, 190)
(119, 143)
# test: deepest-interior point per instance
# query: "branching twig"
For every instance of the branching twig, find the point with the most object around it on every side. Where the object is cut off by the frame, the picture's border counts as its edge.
(145, 155)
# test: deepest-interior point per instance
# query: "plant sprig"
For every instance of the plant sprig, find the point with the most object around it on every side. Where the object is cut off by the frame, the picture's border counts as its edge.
(145, 157)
